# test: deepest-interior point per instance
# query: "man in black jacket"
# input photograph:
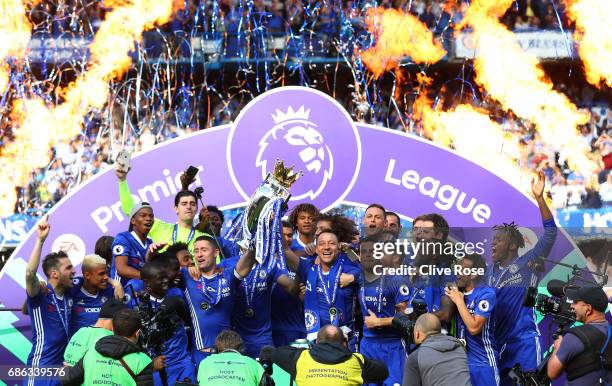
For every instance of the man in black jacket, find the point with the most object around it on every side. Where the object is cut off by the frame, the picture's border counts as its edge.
(116, 358)
(329, 362)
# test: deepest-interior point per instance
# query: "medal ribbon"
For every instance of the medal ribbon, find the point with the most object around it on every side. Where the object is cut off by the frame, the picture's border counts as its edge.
(250, 293)
(330, 300)
(175, 233)
(207, 295)
(63, 320)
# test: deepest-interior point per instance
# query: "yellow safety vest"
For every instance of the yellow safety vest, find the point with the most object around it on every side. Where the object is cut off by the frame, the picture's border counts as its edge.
(310, 372)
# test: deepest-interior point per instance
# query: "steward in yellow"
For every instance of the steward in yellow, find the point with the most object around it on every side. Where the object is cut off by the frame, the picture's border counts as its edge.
(329, 362)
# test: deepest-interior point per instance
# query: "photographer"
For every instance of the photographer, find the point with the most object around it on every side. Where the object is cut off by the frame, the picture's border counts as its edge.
(440, 360)
(578, 352)
(329, 362)
(229, 366)
(116, 357)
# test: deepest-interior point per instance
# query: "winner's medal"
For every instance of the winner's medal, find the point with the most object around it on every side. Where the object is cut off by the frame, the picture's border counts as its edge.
(204, 306)
(208, 303)
(333, 311)
(249, 313)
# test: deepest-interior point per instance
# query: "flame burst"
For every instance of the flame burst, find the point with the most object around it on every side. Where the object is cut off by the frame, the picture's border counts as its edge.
(39, 127)
(15, 30)
(476, 137)
(398, 34)
(516, 80)
(594, 36)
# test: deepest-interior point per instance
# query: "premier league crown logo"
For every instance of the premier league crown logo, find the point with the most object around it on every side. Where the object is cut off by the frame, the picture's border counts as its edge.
(305, 128)
(294, 129)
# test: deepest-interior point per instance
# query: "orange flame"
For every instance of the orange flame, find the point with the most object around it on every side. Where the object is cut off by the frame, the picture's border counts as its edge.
(476, 137)
(594, 36)
(41, 127)
(398, 34)
(517, 81)
(14, 34)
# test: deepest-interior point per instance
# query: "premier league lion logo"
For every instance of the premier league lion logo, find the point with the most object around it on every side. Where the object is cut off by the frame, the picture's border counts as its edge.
(312, 156)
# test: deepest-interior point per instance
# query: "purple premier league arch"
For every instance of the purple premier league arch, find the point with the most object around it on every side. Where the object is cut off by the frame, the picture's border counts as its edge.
(342, 161)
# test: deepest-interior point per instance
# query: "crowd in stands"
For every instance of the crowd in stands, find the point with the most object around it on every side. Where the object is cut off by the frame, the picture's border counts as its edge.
(75, 162)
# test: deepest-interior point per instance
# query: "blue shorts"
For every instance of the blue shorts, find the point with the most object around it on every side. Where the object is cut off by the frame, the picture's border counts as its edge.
(483, 375)
(285, 338)
(525, 352)
(198, 356)
(177, 372)
(253, 344)
(389, 351)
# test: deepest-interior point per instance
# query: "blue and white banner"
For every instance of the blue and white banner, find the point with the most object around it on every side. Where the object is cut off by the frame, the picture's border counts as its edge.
(586, 222)
(14, 229)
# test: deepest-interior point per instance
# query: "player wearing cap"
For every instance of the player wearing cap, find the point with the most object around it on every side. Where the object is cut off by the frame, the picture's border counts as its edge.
(85, 338)
(130, 248)
(583, 352)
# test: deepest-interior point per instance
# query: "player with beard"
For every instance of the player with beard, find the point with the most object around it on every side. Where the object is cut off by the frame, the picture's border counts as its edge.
(326, 301)
(211, 294)
(287, 309)
(374, 219)
(303, 218)
(394, 224)
(91, 291)
(178, 362)
(475, 305)
(380, 297)
(49, 312)
(516, 330)
(185, 206)
(130, 248)
(431, 232)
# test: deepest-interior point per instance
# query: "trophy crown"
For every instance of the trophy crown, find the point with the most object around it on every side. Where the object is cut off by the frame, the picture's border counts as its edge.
(285, 176)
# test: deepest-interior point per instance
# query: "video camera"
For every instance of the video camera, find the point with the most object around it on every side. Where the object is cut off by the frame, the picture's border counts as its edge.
(405, 323)
(557, 305)
(158, 325)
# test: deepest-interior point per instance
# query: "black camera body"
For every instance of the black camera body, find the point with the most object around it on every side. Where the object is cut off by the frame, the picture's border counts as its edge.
(405, 323)
(158, 325)
(557, 305)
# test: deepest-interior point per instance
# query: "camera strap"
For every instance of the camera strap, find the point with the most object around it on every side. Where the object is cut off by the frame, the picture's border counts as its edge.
(127, 368)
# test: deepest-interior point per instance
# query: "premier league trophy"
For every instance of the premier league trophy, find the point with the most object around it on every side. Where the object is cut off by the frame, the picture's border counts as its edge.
(259, 225)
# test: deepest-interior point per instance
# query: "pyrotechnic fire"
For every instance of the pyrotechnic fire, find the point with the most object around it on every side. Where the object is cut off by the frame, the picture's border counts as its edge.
(39, 127)
(398, 34)
(474, 136)
(14, 34)
(516, 80)
(594, 36)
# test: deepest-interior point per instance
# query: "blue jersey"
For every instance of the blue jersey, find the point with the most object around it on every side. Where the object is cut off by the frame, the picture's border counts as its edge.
(128, 244)
(380, 296)
(430, 289)
(86, 306)
(176, 346)
(317, 306)
(228, 248)
(211, 305)
(287, 310)
(261, 303)
(481, 348)
(50, 316)
(296, 244)
(513, 321)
